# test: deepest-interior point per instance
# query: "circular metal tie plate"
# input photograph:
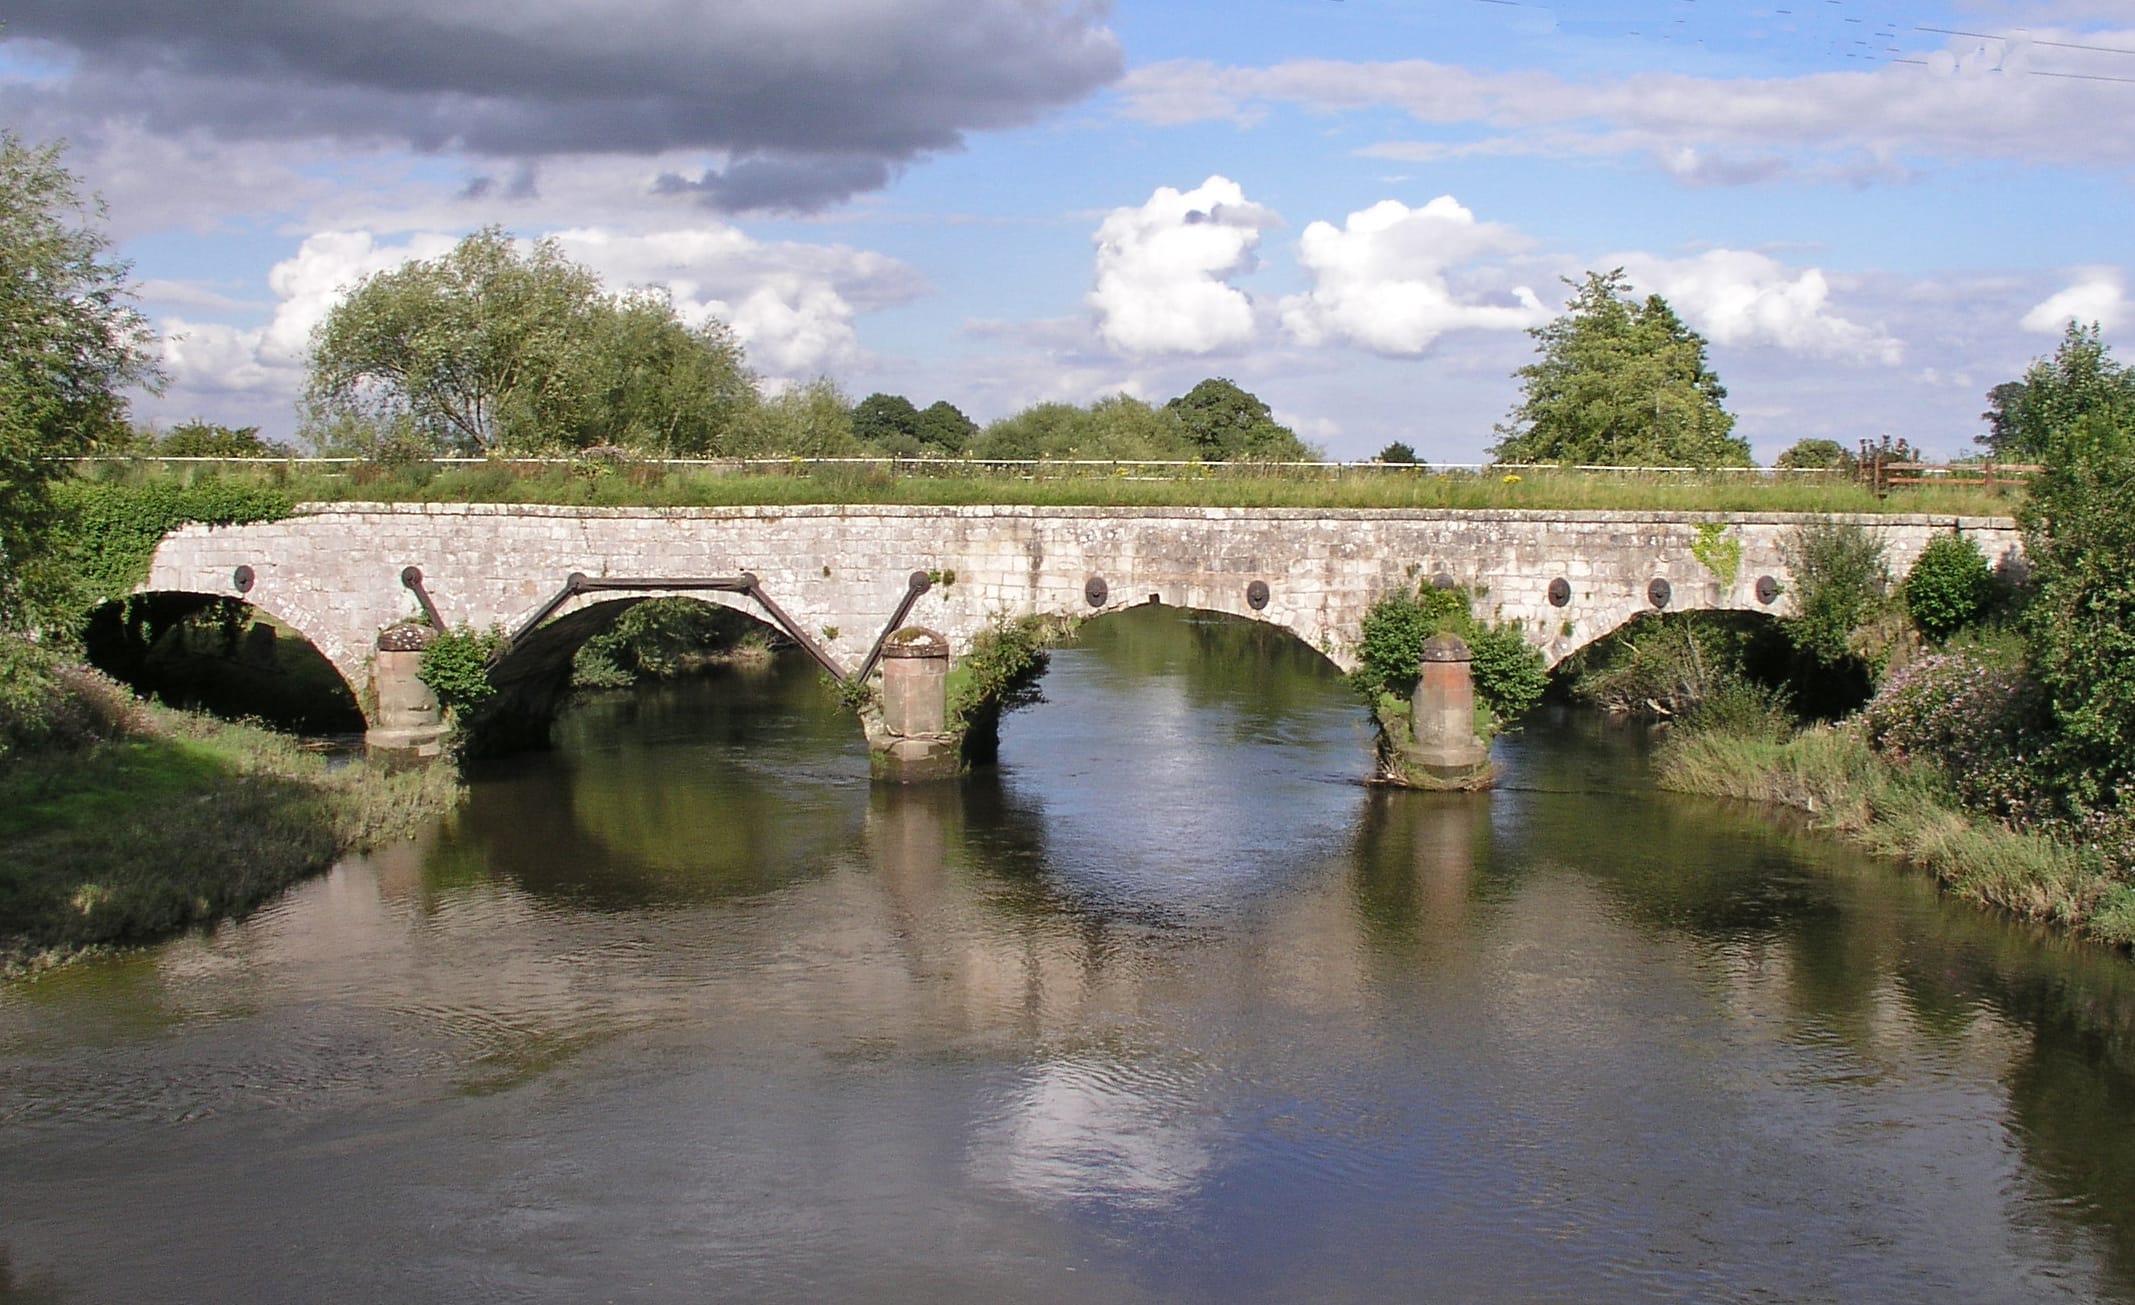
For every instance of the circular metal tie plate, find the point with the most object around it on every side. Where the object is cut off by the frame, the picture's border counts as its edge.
(1658, 592)
(1095, 591)
(1767, 590)
(1560, 592)
(1256, 595)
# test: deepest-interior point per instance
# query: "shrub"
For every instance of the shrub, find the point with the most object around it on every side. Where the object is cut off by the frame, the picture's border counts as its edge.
(1509, 675)
(1981, 725)
(47, 704)
(1742, 709)
(1949, 587)
(1840, 584)
(456, 667)
(1660, 665)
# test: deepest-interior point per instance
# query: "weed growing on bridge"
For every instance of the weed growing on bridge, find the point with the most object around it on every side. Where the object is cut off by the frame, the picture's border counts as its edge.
(456, 668)
(998, 674)
(1509, 674)
(1718, 552)
(110, 529)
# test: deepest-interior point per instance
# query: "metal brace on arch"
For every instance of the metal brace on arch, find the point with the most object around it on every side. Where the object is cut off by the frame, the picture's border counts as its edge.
(578, 582)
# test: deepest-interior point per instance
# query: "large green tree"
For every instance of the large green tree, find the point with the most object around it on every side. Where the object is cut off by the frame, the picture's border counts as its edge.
(889, 424)
(647, 382)
(2079, 539)
(943, 428)
(2025, 418)
(495, 347)
(1619, 382)
(70, 343)
(1224, 423)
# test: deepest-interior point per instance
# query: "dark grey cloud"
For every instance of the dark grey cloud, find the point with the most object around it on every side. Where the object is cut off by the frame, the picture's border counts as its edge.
(778, 183)
(812, 99)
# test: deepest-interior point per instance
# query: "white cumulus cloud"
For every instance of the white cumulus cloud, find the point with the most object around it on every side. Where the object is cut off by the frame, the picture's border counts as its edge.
(1380, 280)
(216, 357)
(792, 305)
(1739, 297)
(1163, 269)
(2098, 296)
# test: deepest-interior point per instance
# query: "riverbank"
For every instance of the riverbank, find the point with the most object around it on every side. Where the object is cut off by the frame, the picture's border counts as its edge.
(178, 820)
(1902, 812)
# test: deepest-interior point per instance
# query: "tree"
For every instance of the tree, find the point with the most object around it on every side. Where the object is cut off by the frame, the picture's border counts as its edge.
(200, 439)
(70, 343)
(1043, 430)
(1620, 382)
(804, 421)
(645, 381)
(1396, 452)
(2025, 418)
(2079, 539)
(1224, 423)
(943, 428)
(889, 424)
(492, 348)
(2003, 403)
(1816, 455)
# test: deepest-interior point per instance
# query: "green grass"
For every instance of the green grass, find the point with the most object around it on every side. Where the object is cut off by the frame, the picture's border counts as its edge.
(188, 822)
(1061, 484)
(1904, 813)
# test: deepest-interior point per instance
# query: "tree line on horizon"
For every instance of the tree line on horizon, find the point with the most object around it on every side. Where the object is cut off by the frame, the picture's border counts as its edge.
(501, 347)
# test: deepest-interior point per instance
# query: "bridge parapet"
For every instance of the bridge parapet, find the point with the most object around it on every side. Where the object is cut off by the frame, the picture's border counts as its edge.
(841, 573)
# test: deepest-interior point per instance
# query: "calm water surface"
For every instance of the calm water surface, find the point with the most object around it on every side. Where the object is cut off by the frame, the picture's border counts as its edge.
(1169, 1008)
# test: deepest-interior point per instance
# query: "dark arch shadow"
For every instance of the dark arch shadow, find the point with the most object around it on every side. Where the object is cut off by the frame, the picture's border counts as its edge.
(1816, 690)
(222, 655)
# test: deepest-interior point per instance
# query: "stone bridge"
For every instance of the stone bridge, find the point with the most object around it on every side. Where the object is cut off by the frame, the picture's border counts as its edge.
(837, 576)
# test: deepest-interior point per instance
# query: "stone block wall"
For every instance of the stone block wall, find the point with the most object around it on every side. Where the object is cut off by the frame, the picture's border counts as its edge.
(333, 571)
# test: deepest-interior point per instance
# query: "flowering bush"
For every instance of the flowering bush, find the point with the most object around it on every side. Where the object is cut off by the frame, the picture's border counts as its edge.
(1982, 725)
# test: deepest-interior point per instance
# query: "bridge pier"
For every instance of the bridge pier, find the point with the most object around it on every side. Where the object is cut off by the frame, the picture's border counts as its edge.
(1442, 750)
(908, 737)
(407, 718)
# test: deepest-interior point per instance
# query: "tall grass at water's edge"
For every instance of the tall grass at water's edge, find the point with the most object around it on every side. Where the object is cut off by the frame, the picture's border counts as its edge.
(186, 821)
(1901, 812)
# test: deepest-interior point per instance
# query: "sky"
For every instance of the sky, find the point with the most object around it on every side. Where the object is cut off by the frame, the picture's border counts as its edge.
(1875, 211)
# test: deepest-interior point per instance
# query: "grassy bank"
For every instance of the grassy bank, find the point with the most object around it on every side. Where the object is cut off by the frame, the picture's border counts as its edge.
(182, 820)
(1060, 484)
(1905, 812)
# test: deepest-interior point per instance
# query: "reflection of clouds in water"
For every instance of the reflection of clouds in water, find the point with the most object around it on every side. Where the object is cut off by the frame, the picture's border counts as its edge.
(1096, 1130)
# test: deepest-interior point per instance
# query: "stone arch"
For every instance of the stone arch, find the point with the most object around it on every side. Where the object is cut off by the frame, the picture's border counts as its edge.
(276, 669)
(534, 674)
(1260, 599)
(1243, 612)
(1211, 628)
(1598, 621)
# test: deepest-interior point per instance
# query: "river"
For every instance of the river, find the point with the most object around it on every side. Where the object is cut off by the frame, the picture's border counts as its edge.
(1170, 1007)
